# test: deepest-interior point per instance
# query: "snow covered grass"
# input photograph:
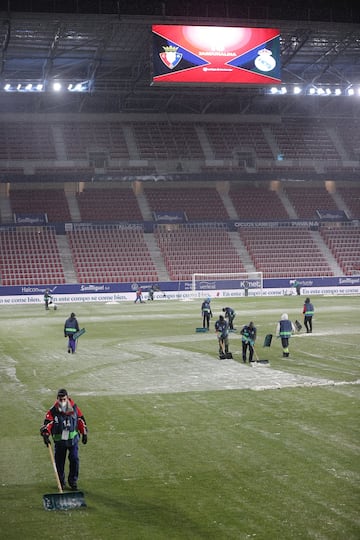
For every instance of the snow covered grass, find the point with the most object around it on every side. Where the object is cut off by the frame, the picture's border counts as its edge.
(181, 444)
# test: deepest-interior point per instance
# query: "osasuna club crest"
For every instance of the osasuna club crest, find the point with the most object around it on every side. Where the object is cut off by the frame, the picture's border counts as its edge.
(170, 56)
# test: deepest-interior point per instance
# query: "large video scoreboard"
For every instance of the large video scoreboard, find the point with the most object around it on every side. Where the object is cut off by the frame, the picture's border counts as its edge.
(213, 55)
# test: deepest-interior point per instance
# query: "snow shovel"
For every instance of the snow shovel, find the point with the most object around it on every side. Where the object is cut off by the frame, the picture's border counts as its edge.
(268, 340)
(79, 333)
(298, 325)
(257, 358)
(61, 500)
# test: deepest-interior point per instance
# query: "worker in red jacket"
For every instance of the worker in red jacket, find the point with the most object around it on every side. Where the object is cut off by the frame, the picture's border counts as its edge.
(65, 422)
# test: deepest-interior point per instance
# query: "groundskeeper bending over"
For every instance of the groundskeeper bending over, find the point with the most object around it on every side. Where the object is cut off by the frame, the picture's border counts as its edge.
(222, 333)
(248, 338)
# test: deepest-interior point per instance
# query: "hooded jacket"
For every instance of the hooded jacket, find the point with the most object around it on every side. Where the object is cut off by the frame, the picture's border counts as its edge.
(285, 328)
(308, 309)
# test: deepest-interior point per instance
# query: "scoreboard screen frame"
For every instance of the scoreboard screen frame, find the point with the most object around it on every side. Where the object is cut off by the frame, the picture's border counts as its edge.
(215, 55)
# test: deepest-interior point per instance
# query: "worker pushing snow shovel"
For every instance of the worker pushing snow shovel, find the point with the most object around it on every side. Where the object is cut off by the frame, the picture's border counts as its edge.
(222, 333)
(65, 423)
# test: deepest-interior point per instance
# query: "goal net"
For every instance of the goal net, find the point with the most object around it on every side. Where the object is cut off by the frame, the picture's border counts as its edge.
(243, 282)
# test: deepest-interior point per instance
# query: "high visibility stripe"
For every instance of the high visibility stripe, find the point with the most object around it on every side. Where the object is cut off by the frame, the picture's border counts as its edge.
(72, 435)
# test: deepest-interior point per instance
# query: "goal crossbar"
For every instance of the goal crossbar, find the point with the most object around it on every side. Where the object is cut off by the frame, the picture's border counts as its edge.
(237, 280)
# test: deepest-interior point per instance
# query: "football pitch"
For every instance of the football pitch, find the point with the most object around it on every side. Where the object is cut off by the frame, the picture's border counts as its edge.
(183, 445)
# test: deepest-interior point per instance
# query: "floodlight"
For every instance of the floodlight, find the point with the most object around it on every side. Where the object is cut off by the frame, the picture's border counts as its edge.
(57, 86)
(7, 87)
(338, 92)
(273, 90)
(312, 91)
(297, 90)
(351, 91)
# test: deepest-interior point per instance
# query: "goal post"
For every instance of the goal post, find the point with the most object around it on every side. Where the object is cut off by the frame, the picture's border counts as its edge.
(245, 282)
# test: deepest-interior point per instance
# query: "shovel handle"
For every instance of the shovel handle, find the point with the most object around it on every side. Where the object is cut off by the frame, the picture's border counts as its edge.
(55, 469)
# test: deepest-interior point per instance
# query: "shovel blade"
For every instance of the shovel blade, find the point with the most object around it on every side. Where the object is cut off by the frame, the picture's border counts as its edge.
(298, 325)
(268, 340)
(64, 501)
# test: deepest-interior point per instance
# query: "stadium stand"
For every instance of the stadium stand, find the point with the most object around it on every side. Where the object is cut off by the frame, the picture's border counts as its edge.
(81, 138)
(228, 138)
(351, 197)
(344, 243)
(51, 202)
(198, 203)
(349, 134)
(109, 205)
(300, 138)
(26, 141)
(30, 256)
(197, 248)
(124, 146)
(108, 254)
(257, 203)
(307, 201)
(163, 140)
(284, 252)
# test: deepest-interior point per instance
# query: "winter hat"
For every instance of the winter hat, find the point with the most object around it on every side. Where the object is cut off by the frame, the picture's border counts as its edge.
(62, 393)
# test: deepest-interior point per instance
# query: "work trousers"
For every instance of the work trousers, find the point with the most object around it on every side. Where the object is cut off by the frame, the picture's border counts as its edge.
(60, 457)
(308, 324)
(71, 343)
(206, 320)
(245, 346)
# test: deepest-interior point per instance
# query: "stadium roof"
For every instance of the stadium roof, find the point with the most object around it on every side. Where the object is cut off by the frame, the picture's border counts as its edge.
(109, 52)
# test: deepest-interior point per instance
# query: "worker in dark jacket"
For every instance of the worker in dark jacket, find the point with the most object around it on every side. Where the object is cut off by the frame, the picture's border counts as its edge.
(47, 299)
(71, 326)
(206, 312)
(65, 422)
(222, 333)
(297, 287)
(308, 311)
(248, 333)
(284, 331)
(230, 316)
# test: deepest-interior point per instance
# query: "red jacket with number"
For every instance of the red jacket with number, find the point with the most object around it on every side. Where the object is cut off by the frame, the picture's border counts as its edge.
(73, 412)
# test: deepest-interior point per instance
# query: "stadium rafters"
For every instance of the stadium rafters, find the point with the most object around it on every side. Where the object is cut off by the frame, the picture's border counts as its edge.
(109, 54)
